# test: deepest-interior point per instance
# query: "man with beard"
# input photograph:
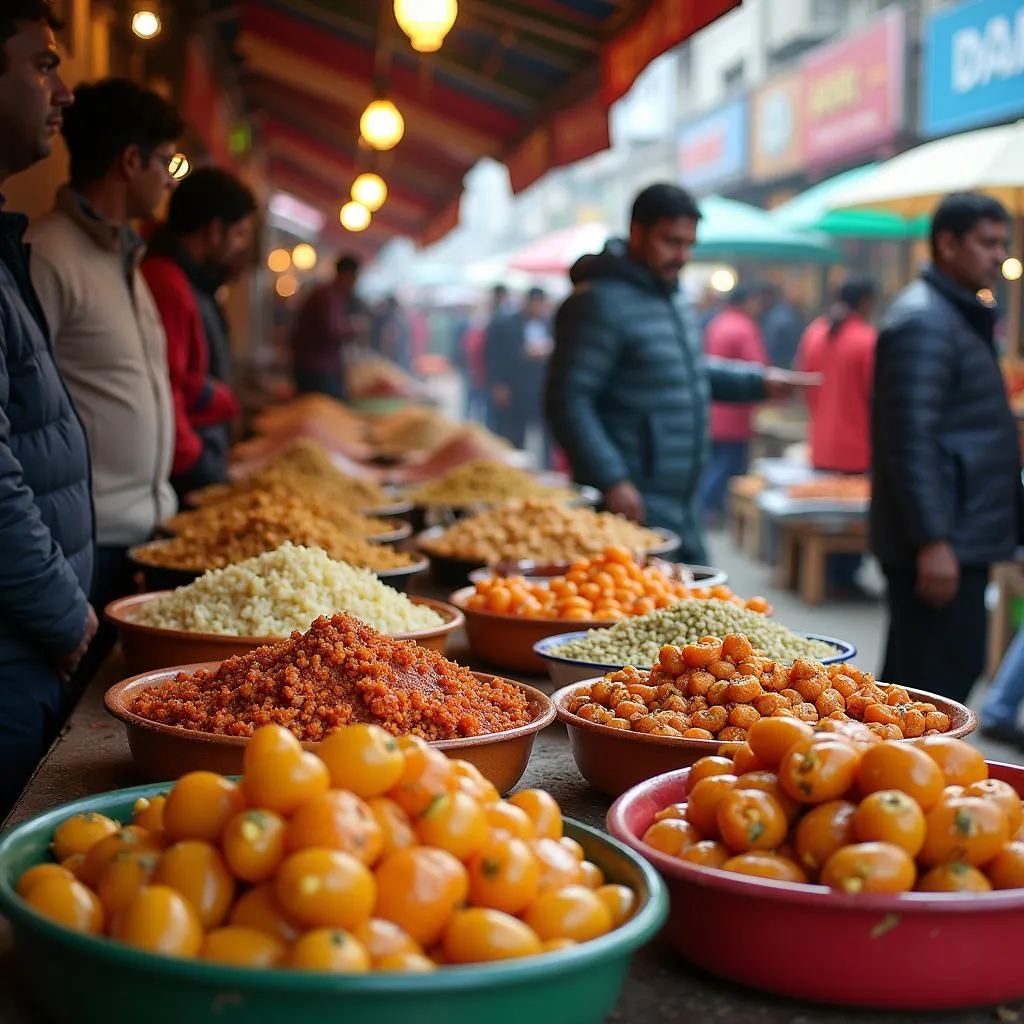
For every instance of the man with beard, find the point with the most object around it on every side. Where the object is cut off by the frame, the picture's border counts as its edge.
(209, 233)
(46, 524)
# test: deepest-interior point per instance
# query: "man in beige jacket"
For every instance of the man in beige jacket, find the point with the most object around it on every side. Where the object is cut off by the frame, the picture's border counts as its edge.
(106, 330)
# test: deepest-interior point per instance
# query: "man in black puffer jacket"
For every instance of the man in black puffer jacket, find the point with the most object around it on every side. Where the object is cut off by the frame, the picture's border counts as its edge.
(628, 383)
(46, 523)
(947, 497)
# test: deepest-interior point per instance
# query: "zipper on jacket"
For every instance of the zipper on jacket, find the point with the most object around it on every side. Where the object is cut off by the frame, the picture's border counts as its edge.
(699, 424)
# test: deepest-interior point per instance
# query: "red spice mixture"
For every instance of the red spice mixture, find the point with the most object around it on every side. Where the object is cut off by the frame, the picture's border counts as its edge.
(338, 672)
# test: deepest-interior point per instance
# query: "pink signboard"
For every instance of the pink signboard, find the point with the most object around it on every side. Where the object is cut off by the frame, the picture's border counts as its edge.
(852, 94)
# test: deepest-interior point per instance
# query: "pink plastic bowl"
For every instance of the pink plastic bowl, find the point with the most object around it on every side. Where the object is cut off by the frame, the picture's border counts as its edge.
(919, 951)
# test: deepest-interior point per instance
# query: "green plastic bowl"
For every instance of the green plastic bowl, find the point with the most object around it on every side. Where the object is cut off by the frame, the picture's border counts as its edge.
(81, 979)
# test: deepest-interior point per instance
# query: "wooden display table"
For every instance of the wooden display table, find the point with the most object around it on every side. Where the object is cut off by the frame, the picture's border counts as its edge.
(1009, 579)
(746, 521)
(805, 547)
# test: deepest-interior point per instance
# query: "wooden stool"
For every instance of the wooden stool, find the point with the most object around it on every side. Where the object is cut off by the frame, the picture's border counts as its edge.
(745, 518)
(806, 545)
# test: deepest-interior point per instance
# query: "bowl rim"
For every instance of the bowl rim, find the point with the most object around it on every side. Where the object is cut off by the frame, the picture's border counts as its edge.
(581, 493)
(542, 649)
(627, 938)
(545, 571)
(116, 707)
(421, 542)
(562, 696)
(806, 893)
(459, 599)
(133, 556)
(116, 614)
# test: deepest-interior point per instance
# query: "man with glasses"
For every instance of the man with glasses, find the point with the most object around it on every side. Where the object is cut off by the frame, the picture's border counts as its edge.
(106, 329)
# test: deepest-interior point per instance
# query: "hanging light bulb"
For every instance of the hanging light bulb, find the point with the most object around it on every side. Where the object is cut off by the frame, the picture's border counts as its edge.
(146, 23)
(1013, 269)
(279, 261)
(426, 22)
(355, 216)
(286, 285)
(371, 190)
(382, 125)
(304, 256)
(179, 167)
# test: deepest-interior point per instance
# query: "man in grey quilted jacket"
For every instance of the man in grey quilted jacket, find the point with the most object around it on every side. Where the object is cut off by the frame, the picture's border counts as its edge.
(629, 386)
(46, 523)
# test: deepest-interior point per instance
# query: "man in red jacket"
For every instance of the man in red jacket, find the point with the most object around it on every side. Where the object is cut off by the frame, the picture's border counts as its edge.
(209, 233)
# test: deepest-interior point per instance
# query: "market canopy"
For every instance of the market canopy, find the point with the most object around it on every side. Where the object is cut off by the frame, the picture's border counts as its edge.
(812, 210)
(988, 160)
(730, 230)
(527, 82)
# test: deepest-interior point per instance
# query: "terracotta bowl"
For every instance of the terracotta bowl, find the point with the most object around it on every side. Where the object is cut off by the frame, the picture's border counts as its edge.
(166, 752)
(148, 647)
(454, 572)
(953, 949)
(564, 671)
(399, 530)
(701, 575)
(161, 577)
(613, 760)
(508, 641)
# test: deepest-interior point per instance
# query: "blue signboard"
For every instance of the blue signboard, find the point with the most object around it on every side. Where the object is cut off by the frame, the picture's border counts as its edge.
(973, 70)
(713, 149)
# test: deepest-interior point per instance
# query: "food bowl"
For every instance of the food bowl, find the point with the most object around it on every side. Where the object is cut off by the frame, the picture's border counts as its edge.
(401, 578)
(564, 671)
(400, 530)
(167, 751)
(702, 575)
(161, 577)
(74, 978)
(454, 572)
(509, 641)
(150, 647)
(613, 760)
(914, 951)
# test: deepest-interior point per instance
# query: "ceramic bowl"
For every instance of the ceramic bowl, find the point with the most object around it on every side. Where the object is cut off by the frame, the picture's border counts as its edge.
(613, 760)
(166, 751)
(148, 647)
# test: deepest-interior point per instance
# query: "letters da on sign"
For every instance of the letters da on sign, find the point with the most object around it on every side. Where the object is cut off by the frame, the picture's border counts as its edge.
(993, 52)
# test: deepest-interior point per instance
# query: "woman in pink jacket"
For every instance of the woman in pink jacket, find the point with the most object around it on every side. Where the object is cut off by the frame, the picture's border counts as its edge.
(732, 334)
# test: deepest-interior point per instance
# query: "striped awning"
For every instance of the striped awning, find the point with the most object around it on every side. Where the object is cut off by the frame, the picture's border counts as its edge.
(527, 82)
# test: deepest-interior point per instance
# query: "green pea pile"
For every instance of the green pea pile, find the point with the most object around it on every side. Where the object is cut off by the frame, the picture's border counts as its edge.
(637, 641)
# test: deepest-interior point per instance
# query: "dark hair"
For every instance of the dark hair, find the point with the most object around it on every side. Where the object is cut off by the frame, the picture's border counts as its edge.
(852, 294)
(663, 202)
(109, 116)
(961, 212)
(741, 294)
(499, 291)
(207, 195)
(16, 13)
(347, 264)
(536, 293)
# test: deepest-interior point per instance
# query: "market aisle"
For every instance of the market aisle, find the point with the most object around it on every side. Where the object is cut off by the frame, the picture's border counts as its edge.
(862, 622)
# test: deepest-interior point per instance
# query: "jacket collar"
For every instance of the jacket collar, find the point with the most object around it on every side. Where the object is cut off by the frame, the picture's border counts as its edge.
(116, 238)
(12, 225)
(980, 317)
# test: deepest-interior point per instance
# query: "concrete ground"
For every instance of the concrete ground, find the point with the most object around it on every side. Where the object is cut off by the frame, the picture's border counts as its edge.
(862, 623)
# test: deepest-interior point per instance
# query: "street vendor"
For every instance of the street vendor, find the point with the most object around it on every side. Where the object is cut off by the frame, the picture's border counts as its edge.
(629, 385)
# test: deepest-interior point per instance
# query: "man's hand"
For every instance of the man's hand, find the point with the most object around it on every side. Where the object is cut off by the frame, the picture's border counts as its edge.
(779, 384)
(501, 396)
(625, 500)
(938, 574)
(67, 665)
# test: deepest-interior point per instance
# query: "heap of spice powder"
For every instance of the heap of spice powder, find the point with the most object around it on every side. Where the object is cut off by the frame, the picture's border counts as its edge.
(340, 671)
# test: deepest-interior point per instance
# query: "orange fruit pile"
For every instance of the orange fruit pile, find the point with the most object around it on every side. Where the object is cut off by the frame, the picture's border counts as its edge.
(842, 808)
(608, 588)
(374, 854)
